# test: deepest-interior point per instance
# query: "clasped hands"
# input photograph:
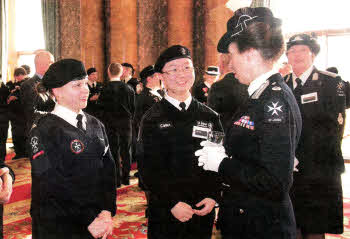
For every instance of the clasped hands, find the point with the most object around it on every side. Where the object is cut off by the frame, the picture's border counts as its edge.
(210, 156)
(102, 225)
(184, 212)
(5, 185)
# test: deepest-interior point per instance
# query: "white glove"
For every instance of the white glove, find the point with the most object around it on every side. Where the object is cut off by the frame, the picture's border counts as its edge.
(210, 156)
(296, 162)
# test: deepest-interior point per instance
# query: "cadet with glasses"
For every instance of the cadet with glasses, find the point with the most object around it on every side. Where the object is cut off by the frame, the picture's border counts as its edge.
(182, 194)
(73, 171)
(260, 144)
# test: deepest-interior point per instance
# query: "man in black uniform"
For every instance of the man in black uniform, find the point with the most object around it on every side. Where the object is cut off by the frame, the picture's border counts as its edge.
(226, 96)
(170, 132)
(127, 77)
(200, 90)
(118, 103)
(4, 119)
(17, 114)
(317, 190)
(95, 89)
(32, 103)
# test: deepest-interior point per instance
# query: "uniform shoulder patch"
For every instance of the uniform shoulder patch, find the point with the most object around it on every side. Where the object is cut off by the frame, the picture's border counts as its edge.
(327, 73)
(274, 111)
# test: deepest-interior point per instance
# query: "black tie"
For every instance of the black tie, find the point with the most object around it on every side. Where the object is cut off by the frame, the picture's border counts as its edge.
(298, 90)
(80, 122)
(182, 106)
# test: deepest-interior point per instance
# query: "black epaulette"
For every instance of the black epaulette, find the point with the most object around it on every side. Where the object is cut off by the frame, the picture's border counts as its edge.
(328, 73)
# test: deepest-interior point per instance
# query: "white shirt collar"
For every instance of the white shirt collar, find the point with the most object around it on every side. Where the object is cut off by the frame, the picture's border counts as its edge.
(115, 79)
(68, 115)
(176, 103)
(255, 84)
(303, 77)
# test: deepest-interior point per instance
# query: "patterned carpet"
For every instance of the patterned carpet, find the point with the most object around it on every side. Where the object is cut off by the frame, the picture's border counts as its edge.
(129, 222)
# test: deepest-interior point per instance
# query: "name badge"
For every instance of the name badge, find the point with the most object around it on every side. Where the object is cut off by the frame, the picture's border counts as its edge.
(200, 132)
(308, 98)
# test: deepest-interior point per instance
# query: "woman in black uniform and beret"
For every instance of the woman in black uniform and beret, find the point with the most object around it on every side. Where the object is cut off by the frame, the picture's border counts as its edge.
(260, 145)
(73, 172)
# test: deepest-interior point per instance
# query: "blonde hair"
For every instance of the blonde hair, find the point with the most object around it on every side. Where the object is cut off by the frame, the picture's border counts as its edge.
(115, 69)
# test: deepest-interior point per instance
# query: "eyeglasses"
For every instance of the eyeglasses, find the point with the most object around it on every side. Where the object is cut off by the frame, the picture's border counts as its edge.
(174, 71)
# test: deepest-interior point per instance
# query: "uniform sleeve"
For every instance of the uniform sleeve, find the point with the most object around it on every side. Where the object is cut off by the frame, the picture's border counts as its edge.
(271, 175)
(213, 99)
(109, 179)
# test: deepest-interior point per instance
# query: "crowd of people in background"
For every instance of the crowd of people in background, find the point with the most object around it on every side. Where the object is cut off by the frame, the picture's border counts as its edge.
(279, 124)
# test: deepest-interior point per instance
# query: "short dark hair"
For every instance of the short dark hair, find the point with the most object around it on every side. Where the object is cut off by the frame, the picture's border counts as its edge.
(115, 69)
(130, 66)
(332, 69)
(19, 71)
(26, 68)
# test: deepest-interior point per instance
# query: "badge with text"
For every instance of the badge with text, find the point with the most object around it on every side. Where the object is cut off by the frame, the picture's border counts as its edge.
(165, 125)
(76, 146)
(274, 112)
(200, 132)
(340, 89)
(34, 141)
(308, 98)
(245, 122)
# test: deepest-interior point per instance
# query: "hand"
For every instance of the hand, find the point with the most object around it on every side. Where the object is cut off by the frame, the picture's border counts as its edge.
(6, 187)
(11, 98)
(296, 162)
(182, 211)
(210, 156)
(102, 226)
(208, 203)
(94, 97)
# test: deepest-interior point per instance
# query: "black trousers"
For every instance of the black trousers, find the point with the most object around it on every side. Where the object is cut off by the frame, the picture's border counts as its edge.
(19, 135)
(163, 225)
(3, 137)
(58, 229)
(114, 145)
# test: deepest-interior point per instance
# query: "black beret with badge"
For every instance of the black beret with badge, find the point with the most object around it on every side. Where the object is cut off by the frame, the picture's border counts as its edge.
(170, 54)
(63, 72)
(304, 39)
(146, 72)
(241, 19)
(213, 71)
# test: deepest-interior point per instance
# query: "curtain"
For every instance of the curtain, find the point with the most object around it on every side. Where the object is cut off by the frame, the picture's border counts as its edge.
(3, 39)
(260, 3)
(50, 13)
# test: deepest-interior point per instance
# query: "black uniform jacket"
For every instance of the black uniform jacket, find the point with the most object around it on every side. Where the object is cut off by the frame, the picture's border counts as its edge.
(73, 171)
(4, 93)
(200, 92)
(317, 192)
(117, 101)
(15, 106)
(144, 101)
(93, 107)
(167, 164)
(226, 96)
(259, 171)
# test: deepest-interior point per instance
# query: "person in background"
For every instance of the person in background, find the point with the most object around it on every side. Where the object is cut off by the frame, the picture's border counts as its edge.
(27, 69)
(182, 194)
(317, 189)
(201, 89)
(4, 118)
(73, 171)
(257, 160)
(127, 77)
(33, 105)
(7, 178)
(17, 114)
(95, 88)
(118, 104)
(285, 69)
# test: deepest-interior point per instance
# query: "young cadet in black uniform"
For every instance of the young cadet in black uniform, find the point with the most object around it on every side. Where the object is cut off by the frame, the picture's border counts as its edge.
(73, 171)
(4, 119)
(317, 189)
(261, 142)
(17, 114)
(182, 195)
(95, 88)
(118, 104)
(200, 90)
(226, 96)
(7, 178)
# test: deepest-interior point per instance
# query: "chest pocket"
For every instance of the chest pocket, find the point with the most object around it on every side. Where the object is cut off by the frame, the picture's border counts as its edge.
(312, 101)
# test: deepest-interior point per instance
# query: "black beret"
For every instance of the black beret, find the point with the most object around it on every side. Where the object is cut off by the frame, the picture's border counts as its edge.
(146, 72)
(63, 72)
(213, 70)
(241, 19)
(304, 39)
(91, 70)
(170, 54)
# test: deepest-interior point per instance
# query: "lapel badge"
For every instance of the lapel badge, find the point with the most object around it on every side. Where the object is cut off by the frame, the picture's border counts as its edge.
(77, 146)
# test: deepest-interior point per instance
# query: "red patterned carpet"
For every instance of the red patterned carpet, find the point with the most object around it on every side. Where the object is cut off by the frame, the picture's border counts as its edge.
(128, 222)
